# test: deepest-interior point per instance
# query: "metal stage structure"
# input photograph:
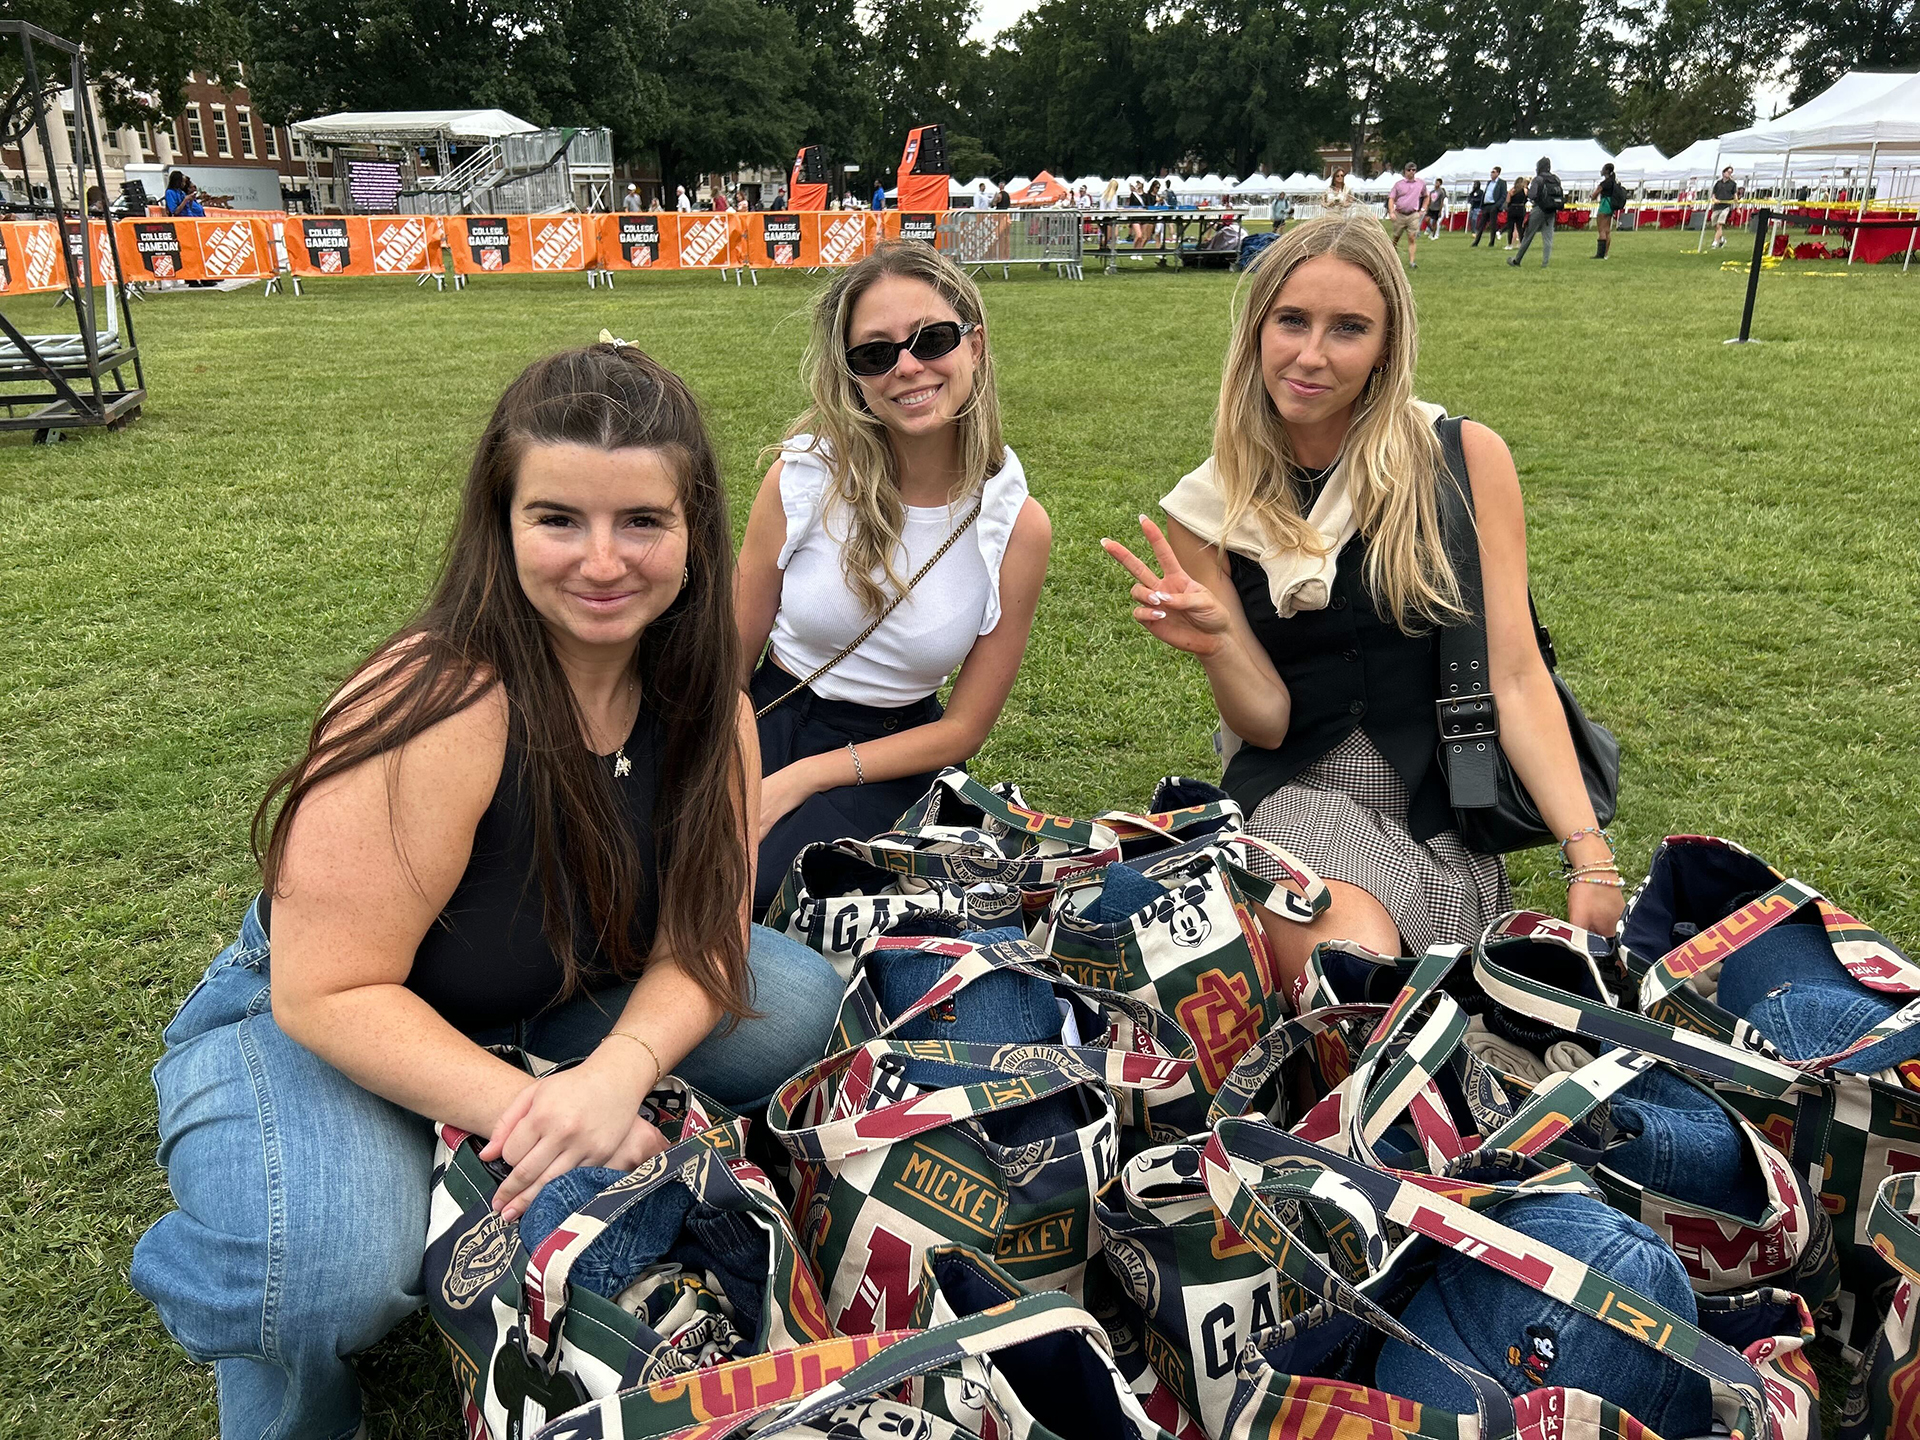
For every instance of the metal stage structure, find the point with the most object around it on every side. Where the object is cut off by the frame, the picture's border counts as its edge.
(75, 380)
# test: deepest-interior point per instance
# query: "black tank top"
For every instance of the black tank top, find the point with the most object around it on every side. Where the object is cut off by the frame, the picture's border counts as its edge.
(485, 962)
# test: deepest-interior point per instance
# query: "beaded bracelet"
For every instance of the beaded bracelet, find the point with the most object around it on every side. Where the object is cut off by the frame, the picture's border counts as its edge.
(1616, 883)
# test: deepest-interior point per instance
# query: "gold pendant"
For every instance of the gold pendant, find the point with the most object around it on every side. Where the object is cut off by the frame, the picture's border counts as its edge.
(622, 767)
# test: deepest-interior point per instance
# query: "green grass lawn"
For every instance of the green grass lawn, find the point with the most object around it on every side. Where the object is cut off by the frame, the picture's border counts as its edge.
(1723, 539)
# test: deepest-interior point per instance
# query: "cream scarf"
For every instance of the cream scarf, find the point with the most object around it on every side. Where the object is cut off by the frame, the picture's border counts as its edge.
(1296, 579)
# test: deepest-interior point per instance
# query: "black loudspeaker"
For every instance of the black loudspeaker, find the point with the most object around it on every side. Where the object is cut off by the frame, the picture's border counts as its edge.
(932, 159)
(812, 167)
(133, 198)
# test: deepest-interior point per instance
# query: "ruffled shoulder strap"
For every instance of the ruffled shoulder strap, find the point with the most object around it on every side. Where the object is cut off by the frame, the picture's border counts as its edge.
(1000, 501)
(803, 488)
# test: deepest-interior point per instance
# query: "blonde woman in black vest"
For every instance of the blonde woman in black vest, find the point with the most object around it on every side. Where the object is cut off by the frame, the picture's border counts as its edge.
(1303, 565)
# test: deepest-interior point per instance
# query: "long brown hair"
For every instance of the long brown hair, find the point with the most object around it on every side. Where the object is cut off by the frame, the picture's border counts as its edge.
(478, 629)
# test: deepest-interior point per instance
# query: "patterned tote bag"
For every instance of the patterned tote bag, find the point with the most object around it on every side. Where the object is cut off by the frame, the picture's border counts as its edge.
(1060, 1386)
(1010, 981)
(728, 1280)
(1712, 920)
(1192, 948)
(1540, 969)
(912, 1144)
(1312, 1374)
(1885, 1398)
(840, 1389)
(964, 833)
(1179, 812)
(832, 899)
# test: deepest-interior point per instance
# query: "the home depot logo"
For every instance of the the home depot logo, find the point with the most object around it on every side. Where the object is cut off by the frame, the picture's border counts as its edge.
(399, 247)
(227, 249)
(704, 242)
(842, 241)
(559, 246)
(43, 254)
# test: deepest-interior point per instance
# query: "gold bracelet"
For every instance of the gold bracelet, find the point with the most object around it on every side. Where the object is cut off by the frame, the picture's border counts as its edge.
(659, 1071)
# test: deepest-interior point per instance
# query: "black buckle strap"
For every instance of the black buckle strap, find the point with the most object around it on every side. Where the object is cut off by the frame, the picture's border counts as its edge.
(1469, 722)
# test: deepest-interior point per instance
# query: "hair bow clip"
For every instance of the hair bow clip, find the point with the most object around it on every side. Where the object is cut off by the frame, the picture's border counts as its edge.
(607, 337)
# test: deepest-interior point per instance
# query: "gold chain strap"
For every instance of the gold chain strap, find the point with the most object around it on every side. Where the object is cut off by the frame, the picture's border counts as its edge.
(892, 605)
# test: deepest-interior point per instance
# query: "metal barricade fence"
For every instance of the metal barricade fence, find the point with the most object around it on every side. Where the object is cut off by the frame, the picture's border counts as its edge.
(980, 238)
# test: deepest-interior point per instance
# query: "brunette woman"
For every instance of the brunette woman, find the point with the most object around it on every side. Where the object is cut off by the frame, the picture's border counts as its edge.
(527, 817)
(1303, 564)
(892, 544)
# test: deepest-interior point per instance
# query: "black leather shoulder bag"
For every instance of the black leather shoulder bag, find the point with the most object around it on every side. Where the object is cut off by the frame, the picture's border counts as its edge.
(1492, 810)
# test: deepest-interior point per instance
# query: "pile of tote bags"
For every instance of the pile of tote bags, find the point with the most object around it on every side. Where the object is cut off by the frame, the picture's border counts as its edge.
(1076, 1166)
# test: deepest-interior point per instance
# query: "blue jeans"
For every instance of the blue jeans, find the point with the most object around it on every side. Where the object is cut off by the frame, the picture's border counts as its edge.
(303, 1198)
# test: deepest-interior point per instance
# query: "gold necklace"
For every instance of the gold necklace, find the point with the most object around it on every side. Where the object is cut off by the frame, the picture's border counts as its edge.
(622, 766)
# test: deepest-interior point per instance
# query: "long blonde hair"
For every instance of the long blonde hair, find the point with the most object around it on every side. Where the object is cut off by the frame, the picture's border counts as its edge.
(852, 442)
(1391, 457)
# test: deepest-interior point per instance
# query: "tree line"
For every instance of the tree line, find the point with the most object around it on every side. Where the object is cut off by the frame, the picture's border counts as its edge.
(1078, 86)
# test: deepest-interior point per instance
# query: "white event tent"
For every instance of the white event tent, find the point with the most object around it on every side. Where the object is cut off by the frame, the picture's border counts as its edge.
(415, 127)
(1636, 164)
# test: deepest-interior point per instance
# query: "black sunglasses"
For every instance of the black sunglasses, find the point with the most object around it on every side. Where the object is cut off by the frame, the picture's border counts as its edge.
(930, 342)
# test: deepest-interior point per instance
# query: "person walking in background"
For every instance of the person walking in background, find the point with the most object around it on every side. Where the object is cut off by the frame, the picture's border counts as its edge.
(880, 194)
(1001, 199)
(631, 204)
(1110, 197)
(1491, 206)
(1436, 207)
(1725, 192)
(1546, 194)
(1404, 203)
(680, 201)
(1339, 197)
(1516, 211)
(1476, 201)
(981, 199)
(1610, 197)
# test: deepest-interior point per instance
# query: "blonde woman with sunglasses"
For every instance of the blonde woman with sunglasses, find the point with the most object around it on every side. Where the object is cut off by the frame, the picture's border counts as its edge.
(892, 544)
(1304, 566)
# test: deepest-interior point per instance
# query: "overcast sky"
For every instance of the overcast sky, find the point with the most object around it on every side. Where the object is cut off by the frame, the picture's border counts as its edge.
(997, 15)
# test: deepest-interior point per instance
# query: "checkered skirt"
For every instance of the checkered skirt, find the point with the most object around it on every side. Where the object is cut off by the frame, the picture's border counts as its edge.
(1346, 817)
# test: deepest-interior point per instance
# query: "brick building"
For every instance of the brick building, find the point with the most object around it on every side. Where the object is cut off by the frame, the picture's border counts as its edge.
(216, 127)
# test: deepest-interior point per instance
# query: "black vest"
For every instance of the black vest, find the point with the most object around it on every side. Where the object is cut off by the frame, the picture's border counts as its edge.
(1347, 667)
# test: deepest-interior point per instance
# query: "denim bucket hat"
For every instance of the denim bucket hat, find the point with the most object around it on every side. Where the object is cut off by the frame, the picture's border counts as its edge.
(1789, 985)
(1524, 1340)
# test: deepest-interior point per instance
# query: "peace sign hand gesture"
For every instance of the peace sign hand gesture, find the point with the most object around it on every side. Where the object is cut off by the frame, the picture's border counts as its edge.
(1173, 606)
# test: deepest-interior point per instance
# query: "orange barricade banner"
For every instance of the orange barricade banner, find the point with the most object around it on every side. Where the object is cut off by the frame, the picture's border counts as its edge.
(326, 245)
(520, 244)
(643, 241)
(845, 235)
(912, 224)
(193, 249)
(710, 242)
(30, 257)
(779, 240)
